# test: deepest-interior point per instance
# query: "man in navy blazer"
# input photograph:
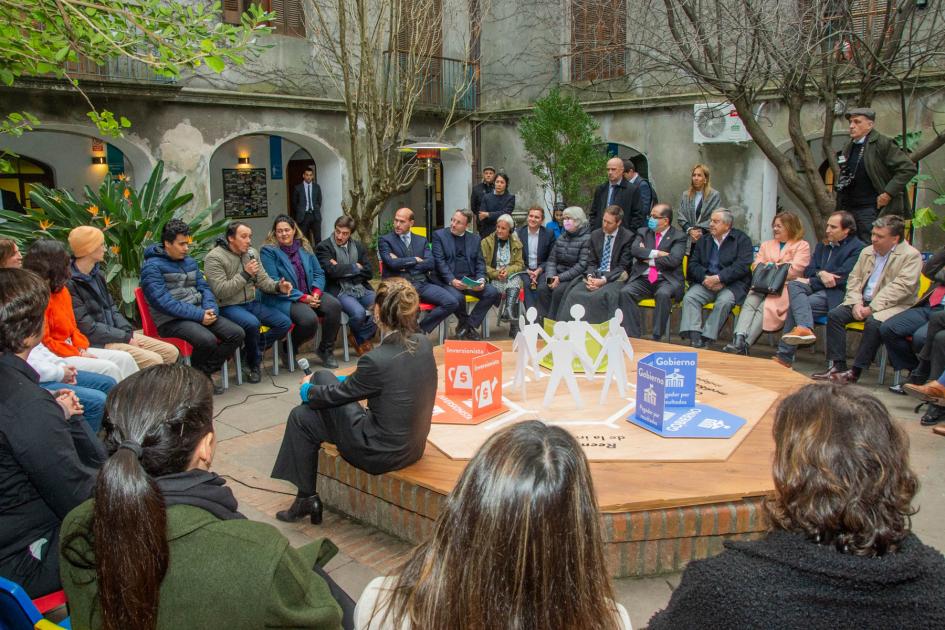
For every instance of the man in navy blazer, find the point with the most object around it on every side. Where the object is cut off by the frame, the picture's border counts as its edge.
(457, 255)
(536, 245)
(406, 255)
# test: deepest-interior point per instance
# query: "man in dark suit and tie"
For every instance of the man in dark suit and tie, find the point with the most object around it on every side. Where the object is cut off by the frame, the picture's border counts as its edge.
(406, 255)
(307, 207)
(658, 251)
(616, 191)
(536, 245)
(457, 254)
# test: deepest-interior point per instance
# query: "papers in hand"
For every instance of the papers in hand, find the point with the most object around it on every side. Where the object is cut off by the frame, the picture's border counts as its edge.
(472, 284)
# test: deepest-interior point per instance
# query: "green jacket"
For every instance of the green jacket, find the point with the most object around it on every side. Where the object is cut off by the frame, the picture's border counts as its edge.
(516, 260)
(222, 574)
(227, 279)
(889, 170)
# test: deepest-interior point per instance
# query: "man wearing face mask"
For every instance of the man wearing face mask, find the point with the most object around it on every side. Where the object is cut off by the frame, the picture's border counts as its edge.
(658, 251)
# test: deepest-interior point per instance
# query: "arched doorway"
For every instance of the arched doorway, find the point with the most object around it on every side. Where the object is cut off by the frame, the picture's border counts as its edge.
(16, 185)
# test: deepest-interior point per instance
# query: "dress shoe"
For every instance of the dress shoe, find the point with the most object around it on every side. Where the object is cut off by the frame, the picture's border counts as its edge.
(933, 415)
(738, 346)
(327, 357)
(847, 377)
(302, 507)
(799, 336)
(468, 334)
(252, 375)
(897, 389)
(697, 342)
(825, 376)
(933, 391)
(782, 362)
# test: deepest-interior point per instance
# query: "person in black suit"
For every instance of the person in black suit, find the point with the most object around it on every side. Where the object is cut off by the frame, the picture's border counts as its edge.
(536, 245)
(487, 185)
(645, 197)
(406, 255)
(616, 191)
(398, 378)
(307, 206)
(719, 271)
(494, 204)
(658, 251)
(457, 254)
(608, 259)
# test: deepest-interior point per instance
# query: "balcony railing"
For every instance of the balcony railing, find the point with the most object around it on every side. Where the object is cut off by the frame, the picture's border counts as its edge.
(117, 69)
(445, 79)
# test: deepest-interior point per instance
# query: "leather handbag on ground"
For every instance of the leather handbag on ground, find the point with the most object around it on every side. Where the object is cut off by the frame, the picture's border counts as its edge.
(769, 278)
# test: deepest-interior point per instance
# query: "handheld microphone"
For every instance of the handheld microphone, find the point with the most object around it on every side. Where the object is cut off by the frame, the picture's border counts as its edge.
(303, 364)
(252, 255)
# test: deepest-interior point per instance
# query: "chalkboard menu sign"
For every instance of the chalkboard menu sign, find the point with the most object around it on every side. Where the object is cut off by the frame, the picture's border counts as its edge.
(244, 193)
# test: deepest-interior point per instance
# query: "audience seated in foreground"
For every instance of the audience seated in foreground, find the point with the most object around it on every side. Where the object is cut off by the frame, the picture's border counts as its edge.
(517, 545)
(839, 553)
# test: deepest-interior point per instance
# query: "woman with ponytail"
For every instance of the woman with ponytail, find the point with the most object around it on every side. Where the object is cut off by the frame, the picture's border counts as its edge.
(162, 545)
(398, 378)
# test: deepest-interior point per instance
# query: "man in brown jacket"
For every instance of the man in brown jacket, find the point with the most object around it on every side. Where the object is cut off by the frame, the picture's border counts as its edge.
(884, 282)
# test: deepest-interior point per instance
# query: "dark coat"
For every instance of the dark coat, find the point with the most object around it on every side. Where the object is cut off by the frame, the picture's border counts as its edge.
(444, 255)
(735, 258)
(478, 192)
(620, 257)
(95, 312)
(47, 465)
(787, 581)
(568, 257)
(889, 170)
(934, 270)
(325, 252)
(400, 263)
(545, 242)
(842, 260)
(670, 267)
(298, 202)
(174, 289)
(626, 197)
(496, 206)
(277, 265)
(400, 389)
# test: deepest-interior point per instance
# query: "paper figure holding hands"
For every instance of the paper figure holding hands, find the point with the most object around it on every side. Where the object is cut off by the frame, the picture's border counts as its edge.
(578, 329)
(616, 345)
(562, 353)
(532, 331)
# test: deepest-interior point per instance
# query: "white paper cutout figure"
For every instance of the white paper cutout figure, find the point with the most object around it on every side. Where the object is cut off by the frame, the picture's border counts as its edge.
(578, 329)
(461, 376)
(526, 347)
(562, 353)
(616, 344)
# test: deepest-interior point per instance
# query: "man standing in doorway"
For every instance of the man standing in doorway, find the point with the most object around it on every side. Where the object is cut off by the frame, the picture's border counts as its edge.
(616, 191)
(307, 207)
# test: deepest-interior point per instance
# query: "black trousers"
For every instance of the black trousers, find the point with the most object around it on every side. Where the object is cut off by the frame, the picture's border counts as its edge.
(641, 288)
(38, 577)
(213, 344)
(864, 217)
(311, 228)
(305, 431)
(933, 350)
(549, 300)
(837, 319)
(896, 331)
(306, 322)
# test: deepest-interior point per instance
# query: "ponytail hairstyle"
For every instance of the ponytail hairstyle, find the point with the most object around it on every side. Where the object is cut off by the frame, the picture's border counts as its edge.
(398, 306)
(153, 422)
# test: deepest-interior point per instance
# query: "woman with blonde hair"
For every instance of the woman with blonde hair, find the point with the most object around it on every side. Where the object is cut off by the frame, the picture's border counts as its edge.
(767, 312)
(698, 203)
(517, 545)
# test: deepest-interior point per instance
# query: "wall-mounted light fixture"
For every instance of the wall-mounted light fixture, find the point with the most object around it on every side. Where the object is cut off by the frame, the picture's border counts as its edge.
(98, 159)
(243, 161)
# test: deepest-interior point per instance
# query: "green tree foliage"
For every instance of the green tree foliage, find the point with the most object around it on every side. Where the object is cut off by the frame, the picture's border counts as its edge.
(562, 140)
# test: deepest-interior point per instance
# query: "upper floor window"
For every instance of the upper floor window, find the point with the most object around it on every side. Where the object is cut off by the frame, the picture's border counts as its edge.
(598, 39)
(290, 17)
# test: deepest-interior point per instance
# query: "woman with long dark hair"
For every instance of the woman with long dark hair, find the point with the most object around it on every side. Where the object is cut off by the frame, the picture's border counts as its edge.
(517, 545)
(162, 545)
(398, 378)
(495, 203)
(839, 552)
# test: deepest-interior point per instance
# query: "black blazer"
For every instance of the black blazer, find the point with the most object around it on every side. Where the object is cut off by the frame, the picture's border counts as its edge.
(444, 255)
(735, 258)
(670, 267)
(545, 242)
(934, 270)
(325, 252)
(842, 259)
(619, 258)
(298, 202)
(400, 388)
(496, 206)
(626, 196)
(478, 192)
(399, 262)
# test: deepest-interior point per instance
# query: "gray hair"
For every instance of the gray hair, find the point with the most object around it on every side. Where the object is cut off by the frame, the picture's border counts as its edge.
(508, 220)
(727, 217)
(893, 222)
(576, 214)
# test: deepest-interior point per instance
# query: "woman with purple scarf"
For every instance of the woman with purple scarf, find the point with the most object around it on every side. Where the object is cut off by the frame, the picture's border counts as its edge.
(288, 254)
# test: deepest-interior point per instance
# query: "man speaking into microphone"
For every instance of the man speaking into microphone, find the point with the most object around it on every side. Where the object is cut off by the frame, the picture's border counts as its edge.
(234, 275)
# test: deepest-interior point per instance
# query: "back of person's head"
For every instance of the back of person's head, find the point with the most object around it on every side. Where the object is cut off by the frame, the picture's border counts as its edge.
(23, 300)
(7, 249)
(50, 261)
(517, 545)
(397, 305)
(841, 471)
(154, 422)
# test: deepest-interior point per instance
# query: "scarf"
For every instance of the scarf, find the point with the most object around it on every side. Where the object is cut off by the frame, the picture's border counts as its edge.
(350, 285)
(292, 251)
(202, 489)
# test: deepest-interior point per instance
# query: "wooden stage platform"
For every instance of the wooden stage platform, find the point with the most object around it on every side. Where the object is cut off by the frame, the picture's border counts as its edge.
(657, 515)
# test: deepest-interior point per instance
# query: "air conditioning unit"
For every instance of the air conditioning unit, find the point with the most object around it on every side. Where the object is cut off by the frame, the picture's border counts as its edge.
(715, 123)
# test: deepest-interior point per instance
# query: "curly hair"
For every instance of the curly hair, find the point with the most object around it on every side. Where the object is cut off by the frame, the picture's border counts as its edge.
(841, 471)
(50, 261)
(398, 306)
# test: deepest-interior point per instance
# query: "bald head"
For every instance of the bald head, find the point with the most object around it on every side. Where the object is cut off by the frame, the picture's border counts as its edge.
(403, 221)
(615, 170)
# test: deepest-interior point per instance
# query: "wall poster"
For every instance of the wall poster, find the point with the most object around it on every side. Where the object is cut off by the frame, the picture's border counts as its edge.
(244, 193)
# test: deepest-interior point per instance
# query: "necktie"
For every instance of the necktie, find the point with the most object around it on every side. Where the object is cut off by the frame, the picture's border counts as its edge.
(406, 239)
(308, 197)
(936, 298)
(605, 257)
(653, 275)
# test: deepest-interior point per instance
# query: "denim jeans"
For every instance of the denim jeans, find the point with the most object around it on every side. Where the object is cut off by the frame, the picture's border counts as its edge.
(91, 388)
(250, 316)
(362, 326)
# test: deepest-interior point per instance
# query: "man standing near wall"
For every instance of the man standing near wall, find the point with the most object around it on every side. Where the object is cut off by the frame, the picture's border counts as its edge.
(487, 185)
(616, 191)
(645, 197)
(307, 207)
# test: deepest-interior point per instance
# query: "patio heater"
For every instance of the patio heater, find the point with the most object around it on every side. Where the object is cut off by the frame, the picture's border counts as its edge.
(427, 151)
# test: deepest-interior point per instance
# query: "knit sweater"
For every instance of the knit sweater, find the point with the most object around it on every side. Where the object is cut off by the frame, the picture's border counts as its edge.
(62, 334)
(787, 581)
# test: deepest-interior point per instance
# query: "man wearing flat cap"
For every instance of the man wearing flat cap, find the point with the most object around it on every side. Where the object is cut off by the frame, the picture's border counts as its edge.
(874, 173)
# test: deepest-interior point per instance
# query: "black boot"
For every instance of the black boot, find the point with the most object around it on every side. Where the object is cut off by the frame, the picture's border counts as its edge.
(510, 310)
(738, 346)
(302, 507)
(697, 340)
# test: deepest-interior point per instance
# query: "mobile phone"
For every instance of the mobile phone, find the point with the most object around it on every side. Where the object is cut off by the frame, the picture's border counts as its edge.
(550, 280)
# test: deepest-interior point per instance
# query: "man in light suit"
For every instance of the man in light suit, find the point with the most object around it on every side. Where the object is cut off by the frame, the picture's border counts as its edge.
(536, 245)
(616, 191)
(457, 254)
(883, 283)
(658, 251)
(406, 255)
(307, 207)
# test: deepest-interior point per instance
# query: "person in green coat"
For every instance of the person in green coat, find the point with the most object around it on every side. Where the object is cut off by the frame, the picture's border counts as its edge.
(161, 544)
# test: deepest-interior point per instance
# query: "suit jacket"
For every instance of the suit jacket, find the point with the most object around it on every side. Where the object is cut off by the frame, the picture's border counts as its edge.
(399, 262)
(898, 284)
(545, 240)
(645, 196)
(325, 252)
(626, 197)
(277, 264)
(735, 258)
(298, 201)
(842, 257)
(444, 255)
(670, 267)
(620, 257)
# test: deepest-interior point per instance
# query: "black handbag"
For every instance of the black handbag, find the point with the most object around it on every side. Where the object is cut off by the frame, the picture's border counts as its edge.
(769, 278)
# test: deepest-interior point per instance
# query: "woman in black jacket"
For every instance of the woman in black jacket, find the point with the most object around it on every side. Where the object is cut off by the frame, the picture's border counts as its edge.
(399, 380)
(839, 553)
(494, 204)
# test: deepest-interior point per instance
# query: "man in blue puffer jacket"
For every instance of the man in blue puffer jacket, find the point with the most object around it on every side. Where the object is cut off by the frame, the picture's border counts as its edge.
(182, 303)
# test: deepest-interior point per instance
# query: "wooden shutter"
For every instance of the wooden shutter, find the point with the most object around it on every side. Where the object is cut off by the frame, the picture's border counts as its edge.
(598, 39)
(289, 17)
(232, 10)
(868, 17)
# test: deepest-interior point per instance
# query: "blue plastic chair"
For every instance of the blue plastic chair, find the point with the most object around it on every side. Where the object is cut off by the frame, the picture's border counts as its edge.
(18, 612)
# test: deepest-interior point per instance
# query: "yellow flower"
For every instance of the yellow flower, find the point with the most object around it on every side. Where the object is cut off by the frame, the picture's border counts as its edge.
(122, 177)
(108, 222)
(115, 249)
(127, 193)
(45, 225)
(93, 210)
(190, 240)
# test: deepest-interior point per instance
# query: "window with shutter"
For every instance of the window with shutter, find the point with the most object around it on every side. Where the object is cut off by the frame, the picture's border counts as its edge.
(232, 10)
(598, 39)
(290, 17)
